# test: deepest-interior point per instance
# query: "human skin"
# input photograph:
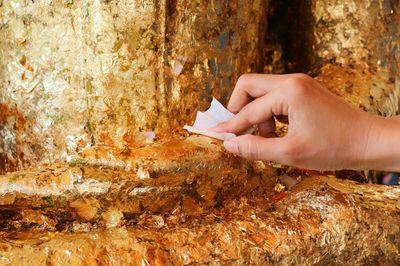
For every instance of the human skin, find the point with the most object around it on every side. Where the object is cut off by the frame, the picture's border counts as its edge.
(324, 132)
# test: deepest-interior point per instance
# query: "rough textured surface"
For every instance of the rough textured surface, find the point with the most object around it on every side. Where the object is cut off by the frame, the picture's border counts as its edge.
(321, 221)
(352, 47)
(78, 73)
(109, 187)
(356, 31)
(188, 202)
(373, 92)
(358, 45)
(84, 80)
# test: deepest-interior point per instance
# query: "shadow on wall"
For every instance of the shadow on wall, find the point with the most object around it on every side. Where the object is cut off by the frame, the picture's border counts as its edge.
(288, 44)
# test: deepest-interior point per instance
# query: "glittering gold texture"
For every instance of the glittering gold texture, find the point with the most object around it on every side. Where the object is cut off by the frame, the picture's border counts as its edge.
(143, 207)
(357, 43)
(83, 82)
(86, 72)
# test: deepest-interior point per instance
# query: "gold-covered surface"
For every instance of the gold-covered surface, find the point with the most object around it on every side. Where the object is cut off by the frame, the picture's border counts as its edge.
(81, 73)
(322, 220)
(147, 206)
(357, 32)
(352, 47)
(108, 188)
(83, 81)
(357, 44)
(374, 92)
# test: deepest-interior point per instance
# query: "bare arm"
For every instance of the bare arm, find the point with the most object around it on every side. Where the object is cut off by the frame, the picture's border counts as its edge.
(383, 146)
(324, 133)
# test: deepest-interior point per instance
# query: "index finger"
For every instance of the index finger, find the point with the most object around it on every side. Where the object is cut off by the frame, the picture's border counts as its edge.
(250, 86)
(258, 111)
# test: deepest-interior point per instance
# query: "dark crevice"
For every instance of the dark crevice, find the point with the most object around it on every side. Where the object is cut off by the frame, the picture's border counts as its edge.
(289, 38)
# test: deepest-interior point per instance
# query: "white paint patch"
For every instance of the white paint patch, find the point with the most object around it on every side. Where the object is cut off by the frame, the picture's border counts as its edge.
(20, 31)
(68, 253)
(9, 136)
(178, 65)
(96, 18)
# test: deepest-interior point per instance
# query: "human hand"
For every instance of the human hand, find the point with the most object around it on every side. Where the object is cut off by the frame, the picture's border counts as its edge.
(324, 132)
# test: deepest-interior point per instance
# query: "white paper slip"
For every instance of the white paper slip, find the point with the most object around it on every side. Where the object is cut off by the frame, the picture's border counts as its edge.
(216, 114)
(209, 133)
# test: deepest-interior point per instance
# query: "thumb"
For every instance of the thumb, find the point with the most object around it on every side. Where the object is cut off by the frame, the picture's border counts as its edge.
(256, 148)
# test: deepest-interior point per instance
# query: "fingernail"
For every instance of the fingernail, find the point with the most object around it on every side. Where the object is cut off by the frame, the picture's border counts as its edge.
(231, 146)
(216, 128)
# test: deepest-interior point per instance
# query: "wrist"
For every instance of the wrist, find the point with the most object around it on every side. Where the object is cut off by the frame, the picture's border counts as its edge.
(381, 147)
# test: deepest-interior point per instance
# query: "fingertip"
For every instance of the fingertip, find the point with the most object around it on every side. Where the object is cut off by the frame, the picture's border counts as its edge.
(219, 128)
(238, 100)
(231, 146)
(215, 129)
(233, 108)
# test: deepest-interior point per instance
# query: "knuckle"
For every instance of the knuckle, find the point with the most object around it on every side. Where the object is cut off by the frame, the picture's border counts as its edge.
(248, 149)
(298, 84)
(302, 76)
(295, 82)
(245, 110)
(244, 79)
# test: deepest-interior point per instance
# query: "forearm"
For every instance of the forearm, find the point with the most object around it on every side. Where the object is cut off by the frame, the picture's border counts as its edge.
(383, 145)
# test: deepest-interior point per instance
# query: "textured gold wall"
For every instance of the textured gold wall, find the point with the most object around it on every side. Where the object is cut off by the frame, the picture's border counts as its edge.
(358, 44)
(352, 46)
(77, 73)
(358, 31)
